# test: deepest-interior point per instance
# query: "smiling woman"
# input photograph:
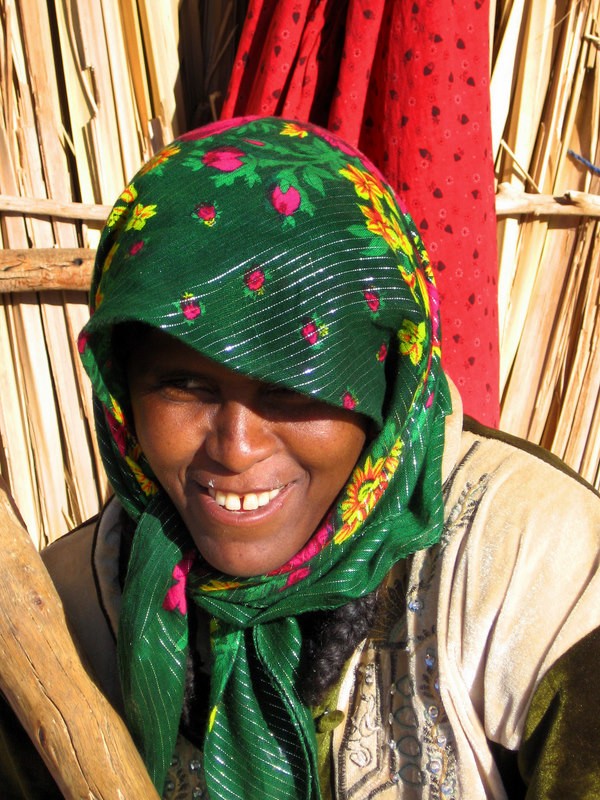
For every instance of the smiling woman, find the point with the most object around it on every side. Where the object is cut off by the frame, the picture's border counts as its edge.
(297, 316)
(322, 581)
(252, 468)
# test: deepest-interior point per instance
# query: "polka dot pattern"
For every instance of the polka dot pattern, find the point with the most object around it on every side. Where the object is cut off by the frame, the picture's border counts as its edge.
(406, 80)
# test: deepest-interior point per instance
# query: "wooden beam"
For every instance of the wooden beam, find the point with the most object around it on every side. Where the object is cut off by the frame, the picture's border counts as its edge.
(513, 203)
(82, 740)
(37, 269)
(509, 203)
(30, 207)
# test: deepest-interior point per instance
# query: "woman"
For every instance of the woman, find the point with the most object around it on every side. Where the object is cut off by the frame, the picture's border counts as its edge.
(322, 586)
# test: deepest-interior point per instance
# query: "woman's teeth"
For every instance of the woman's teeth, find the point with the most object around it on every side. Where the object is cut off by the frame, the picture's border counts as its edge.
(242, 502)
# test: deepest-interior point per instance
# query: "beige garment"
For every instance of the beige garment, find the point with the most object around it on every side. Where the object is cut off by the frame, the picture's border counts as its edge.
(478, 621)
(466, 629)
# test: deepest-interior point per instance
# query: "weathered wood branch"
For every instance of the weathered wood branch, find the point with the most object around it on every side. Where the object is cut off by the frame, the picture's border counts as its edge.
(509, 202)
(513, 203)
(45, 268)
(35, 207)
(70, 269)
(81, 738)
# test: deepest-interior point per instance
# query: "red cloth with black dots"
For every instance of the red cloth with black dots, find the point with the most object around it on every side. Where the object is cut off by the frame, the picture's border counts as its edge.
(408, 82)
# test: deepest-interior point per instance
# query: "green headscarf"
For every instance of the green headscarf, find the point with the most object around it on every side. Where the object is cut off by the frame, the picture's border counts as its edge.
(279, 251)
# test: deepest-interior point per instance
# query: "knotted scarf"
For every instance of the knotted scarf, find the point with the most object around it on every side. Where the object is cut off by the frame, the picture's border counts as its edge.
(280, 252)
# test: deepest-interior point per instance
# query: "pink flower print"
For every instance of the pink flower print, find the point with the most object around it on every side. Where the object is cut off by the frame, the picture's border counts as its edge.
(207, 213)
(176, 597)
(225, 159)
(297, 576)
(286, 203)
(82, 342)
(382, 353)
(310, 332)
(190, 306)
(313, 331)
(434, 305)
(313, 547)
(255, 278)
(337, 143)
(373, 300)
(214, 128)
(136, 247)
(349, 401)
(117, 432)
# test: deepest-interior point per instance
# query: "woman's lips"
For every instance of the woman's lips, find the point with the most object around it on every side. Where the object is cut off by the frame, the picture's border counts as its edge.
(248, 501)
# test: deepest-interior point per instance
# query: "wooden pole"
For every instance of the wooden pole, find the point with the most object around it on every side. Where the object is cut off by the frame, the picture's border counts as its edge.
(42, 207)
(509, 202)
(36, 269)
(82, 740)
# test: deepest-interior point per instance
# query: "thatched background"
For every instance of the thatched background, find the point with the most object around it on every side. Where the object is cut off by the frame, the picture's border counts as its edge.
(90, 90)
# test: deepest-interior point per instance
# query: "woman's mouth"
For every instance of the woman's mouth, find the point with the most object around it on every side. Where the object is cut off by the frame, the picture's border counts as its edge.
(243, 502)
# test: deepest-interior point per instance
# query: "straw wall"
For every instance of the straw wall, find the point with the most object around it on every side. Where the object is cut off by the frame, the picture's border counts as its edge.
(89, 90)
(545, 116)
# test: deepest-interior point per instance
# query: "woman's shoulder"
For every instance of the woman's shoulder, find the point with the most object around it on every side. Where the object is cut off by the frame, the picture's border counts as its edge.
(519, 576)
(522, 492)
(512, 453)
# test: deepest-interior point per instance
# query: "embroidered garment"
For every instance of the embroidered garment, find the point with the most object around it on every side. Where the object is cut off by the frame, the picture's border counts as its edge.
(465, 632)
(277, 250)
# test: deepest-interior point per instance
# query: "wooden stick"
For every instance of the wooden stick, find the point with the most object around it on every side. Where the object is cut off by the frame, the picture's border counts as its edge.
(45, 268)
(511, 202)
(82, 740)
(52, 208)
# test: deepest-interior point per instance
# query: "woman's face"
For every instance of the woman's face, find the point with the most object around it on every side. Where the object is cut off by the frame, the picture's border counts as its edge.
(251, 467)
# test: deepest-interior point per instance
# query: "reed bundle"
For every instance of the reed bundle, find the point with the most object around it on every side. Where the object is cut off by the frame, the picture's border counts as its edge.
(546, 124)
(88, 91)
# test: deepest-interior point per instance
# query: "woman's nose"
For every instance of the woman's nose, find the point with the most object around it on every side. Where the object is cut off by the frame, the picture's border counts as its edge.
(238, 437)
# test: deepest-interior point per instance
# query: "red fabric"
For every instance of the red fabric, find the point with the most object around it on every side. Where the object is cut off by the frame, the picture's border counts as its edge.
(408, 82)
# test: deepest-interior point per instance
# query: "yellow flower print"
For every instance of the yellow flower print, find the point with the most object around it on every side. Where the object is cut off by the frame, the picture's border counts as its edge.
(398, 240)
(160, 158)
(109, 258)
(291, 129)
(365, 184)
(409, 278)
(218, 586)
(105, 267)
(366, 487)
(129, 194)
(387, 196)
(393, 458)
(147, 485)
(116, 410)
(115, 215)
(411, 337)
(141, 214)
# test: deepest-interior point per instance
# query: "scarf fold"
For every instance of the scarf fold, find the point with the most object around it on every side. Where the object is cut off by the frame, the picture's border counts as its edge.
(275, 249)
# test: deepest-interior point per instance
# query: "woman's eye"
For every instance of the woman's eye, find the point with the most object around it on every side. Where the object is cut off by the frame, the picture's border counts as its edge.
(187, 385)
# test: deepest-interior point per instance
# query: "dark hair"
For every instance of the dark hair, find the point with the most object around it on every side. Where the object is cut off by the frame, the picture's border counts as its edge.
(330, 638)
